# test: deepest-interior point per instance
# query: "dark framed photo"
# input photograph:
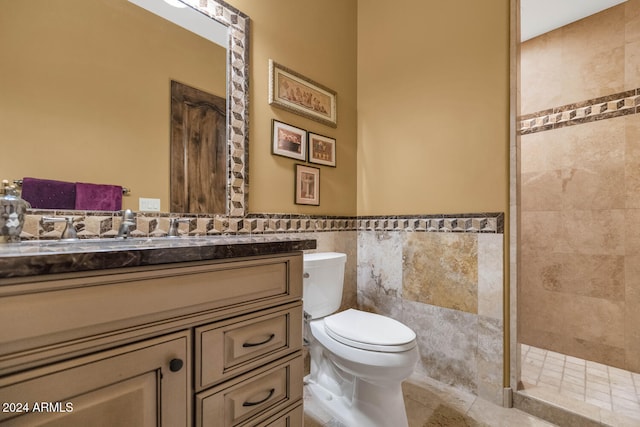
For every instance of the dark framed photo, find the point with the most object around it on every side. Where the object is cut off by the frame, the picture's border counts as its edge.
(288, 141)
(307, 185)
(322, 149)
(294, 92)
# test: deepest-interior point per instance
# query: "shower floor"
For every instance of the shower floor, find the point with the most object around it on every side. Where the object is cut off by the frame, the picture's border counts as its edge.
(585, 387)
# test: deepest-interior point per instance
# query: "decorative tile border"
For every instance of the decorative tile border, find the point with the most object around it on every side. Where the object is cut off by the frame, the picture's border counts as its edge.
(605, 107)
(461, 223)
(96, 225)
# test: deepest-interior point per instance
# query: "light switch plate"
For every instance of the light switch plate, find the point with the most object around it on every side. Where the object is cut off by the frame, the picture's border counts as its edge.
(149, 205)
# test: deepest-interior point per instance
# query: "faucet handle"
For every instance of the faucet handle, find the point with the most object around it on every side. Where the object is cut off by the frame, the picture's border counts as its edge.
(173, 225)
(69, 231)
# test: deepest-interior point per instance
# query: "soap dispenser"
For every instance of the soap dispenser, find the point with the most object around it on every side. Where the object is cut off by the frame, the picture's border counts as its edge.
(12, 213)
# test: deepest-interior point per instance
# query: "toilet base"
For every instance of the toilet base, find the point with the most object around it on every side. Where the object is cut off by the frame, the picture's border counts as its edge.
(369, 405)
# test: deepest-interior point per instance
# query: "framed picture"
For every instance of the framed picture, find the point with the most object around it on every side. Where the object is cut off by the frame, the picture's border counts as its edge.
(322, 150)
(288, 141)
(307, 185)
(294, 92)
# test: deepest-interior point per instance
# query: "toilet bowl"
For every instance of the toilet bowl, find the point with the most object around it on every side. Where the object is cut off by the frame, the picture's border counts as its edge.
(358, 359)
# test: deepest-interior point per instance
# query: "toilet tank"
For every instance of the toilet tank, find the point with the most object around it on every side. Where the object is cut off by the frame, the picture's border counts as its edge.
(322, 283)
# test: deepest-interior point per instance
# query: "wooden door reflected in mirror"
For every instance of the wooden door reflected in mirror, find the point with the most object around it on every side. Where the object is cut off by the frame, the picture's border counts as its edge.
(198, 151)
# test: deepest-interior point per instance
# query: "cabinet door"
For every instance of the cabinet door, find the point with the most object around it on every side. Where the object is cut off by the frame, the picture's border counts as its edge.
(144, 384)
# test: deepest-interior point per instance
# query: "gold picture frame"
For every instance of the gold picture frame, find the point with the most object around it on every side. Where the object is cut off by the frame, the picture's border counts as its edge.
(298, 94)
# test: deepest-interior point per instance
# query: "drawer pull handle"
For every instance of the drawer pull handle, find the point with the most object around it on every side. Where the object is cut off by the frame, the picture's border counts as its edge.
(255, 344)
(260, 401)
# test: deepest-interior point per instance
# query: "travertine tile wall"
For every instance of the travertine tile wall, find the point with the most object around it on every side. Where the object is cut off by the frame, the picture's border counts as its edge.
(448, 287)
(579, 284)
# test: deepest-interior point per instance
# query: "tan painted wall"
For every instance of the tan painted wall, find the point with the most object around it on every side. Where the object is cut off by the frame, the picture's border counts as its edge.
(318, 40)
(431, 84)
(433, 94)
(86, 95)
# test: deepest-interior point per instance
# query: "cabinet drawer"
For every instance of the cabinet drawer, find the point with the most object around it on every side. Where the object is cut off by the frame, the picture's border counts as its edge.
(254, 396)
(225, 349)
(291, 418)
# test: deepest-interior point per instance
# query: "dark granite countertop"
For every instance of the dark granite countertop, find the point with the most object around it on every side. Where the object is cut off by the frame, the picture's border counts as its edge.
(34, 258)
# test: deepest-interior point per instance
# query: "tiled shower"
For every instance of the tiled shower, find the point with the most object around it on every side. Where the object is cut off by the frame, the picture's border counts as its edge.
(579, 177)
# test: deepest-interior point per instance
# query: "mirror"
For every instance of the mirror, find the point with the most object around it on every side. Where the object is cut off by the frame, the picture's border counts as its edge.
(58, 121)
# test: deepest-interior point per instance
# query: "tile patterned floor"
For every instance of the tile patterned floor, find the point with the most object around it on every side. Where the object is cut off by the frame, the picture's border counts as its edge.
(433, 404)
(575, 382)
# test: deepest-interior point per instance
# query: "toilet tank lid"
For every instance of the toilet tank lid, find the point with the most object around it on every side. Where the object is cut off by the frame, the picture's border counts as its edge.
(322, 256)
(369, 328)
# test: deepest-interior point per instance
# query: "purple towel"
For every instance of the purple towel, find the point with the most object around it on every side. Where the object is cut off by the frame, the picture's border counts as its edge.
(98, 197)
(49, 194)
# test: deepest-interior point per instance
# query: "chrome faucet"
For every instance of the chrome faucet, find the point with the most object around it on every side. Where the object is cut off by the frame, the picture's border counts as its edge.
(69, 232)
(128, 220)
(173, 226)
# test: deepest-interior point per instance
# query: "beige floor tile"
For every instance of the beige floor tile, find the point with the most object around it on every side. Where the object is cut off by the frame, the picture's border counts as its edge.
(599, 387)
(575, 361)
(598, 395)
(595, 366)
(549, 382)
(598, 377)
(627, 404)
(614, 392)
(599, 403)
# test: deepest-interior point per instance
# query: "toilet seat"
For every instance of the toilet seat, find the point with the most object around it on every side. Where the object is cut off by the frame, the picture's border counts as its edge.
(369, 331)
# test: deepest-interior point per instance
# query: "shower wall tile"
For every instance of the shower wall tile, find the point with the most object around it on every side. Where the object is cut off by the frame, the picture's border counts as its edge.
(442, 269)
(545, 152)
(595, 276)
(593, 54)
(632, 46)
(605, 236)
(593, 165)
(557, 322)
(541, 191)
(632, 161)
(632, 313)
(632, 20)
(632, 64)
(632, 235)
(590, 54)
(538, 231)
(541, 73)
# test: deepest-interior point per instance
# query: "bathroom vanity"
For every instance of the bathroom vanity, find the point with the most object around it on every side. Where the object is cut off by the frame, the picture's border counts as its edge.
(193, 331)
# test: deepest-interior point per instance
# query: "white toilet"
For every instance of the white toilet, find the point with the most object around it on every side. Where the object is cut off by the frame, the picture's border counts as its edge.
(358, 359)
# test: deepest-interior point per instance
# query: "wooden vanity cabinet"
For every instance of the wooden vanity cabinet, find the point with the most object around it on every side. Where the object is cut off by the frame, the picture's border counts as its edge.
(210, 343)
